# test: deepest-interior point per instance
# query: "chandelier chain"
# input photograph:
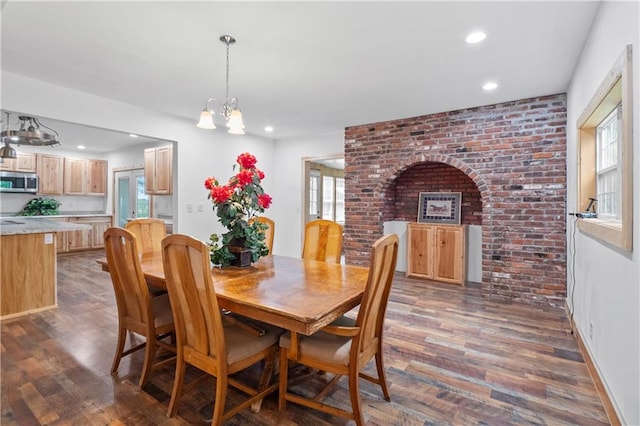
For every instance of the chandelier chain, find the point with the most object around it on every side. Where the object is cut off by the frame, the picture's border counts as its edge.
(227, 94)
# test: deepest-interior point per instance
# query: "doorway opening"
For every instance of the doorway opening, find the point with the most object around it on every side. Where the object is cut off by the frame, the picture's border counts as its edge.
(130, 200)
(324, 186)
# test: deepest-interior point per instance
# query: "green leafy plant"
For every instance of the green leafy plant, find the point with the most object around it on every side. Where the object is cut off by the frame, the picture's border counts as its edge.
(236, 203)
(41, 207)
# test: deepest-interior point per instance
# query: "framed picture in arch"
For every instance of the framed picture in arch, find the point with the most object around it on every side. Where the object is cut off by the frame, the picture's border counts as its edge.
(439, 207)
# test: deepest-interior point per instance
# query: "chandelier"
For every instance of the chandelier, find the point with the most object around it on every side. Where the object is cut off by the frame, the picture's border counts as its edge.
(29, 131)
(228, 109)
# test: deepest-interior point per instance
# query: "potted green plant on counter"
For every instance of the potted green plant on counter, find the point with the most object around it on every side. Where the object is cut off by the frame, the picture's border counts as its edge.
(41, 207)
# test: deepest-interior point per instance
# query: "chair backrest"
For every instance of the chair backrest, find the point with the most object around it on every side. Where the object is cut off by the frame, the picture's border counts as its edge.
(269, 232)
(322, 241)
(149, 234)
(384, 254)
(129, 285)
(196, 315)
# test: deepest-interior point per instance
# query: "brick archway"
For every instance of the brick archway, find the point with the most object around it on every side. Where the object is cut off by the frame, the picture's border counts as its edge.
(515, 153)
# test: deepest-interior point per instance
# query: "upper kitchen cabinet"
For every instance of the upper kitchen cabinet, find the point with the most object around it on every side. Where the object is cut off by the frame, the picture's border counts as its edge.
(158, 170)
(25, 162)
(97, 174)
(75, 180)
(85, 177)
(50, 174)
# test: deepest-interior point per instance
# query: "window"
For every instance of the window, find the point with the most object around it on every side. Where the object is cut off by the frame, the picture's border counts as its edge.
(333, 198)
(327, 197)
(608, 166)
(340, 200)
(605, 163)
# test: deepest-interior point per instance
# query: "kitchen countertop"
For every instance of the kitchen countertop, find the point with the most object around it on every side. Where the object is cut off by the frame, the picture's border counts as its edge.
(61, 215)
(36, 225)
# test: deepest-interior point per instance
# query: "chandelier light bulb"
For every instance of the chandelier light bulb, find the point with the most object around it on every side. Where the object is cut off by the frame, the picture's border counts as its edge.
(206, 120)
(235, 124)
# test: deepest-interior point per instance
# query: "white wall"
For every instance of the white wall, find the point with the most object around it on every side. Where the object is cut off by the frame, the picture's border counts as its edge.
(607, 281)
(288, 179)
(199, 153)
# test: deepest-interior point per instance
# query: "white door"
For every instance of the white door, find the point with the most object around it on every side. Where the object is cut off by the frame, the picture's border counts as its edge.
(314, 200)
(131, 202)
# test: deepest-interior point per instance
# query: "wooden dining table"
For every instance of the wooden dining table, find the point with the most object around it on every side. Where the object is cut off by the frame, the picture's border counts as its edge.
(301, 296)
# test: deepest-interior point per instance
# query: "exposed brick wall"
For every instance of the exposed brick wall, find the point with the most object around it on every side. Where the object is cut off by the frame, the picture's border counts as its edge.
(514, 153)
(402, 195)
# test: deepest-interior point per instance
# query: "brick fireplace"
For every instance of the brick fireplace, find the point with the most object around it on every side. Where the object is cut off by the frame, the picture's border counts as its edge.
(509, 162)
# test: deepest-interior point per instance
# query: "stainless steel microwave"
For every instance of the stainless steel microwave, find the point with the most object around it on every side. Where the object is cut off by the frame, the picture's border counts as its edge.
(18, 182)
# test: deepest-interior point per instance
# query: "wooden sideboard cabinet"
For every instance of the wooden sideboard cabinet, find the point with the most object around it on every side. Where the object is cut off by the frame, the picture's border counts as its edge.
(436, 252)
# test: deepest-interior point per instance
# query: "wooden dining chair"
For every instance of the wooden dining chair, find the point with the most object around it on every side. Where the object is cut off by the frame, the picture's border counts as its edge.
(322, 241)
(346, 346)
(149, 234)
(137, 311)
(268, 232)
(202, 341)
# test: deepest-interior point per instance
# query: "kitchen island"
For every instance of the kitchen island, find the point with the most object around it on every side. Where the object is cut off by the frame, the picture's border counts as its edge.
(28, 264)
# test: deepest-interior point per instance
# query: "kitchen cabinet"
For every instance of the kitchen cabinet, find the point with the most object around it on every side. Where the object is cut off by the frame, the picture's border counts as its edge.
(85, 177)
(436, 252)
(50, 174)
(75, 181)
(97, 177)
(79, 239)
(84, 239)
(24, 162)
(61, 237)
(27, 274)
(158, 170)
(99, 225)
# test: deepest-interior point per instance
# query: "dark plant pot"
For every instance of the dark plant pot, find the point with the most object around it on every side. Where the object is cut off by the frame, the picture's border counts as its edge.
(242, 256)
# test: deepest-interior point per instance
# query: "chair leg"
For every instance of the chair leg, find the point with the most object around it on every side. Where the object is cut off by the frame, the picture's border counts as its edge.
(265, 378)
(122, 336)
(354, 393)
(382, 377)
(284, 370)
(221, 397)
(176, 393)
(149, 355)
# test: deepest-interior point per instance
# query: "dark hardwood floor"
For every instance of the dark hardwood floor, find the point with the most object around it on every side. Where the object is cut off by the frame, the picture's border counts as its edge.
(452, 357)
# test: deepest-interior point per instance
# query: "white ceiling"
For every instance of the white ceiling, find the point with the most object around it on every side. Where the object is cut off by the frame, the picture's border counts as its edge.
(302, 67)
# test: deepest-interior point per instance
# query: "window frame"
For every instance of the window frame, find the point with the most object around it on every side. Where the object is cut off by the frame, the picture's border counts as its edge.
(616, 89)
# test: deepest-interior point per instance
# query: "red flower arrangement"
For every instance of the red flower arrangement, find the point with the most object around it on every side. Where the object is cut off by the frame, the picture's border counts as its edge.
(235, 203)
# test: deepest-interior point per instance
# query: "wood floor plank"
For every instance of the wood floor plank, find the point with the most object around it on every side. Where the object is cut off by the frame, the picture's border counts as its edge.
(452, 357)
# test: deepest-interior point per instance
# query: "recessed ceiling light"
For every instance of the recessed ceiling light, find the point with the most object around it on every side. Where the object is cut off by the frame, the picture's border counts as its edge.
(81, 147)
(268, 129)
(475, 37)
(132, 135)
(491, 85)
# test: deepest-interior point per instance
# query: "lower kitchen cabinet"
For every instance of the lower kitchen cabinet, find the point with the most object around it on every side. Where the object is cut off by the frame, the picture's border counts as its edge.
(84, 239)
(436, 252)
(99, 226)
(61, 237)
